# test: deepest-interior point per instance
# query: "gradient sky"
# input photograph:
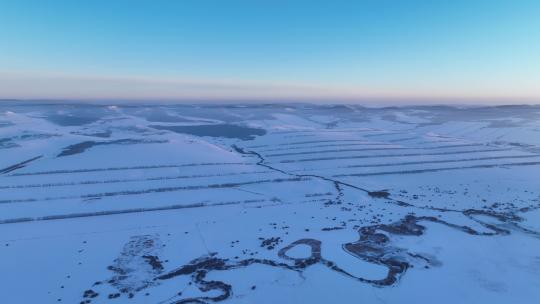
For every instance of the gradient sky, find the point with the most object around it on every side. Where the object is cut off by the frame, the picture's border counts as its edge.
(458, 50)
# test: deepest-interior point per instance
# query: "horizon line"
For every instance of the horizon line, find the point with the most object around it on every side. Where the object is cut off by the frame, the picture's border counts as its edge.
(368, 103)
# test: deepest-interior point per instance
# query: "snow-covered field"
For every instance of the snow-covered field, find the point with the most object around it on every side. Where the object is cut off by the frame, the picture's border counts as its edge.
(269, 204)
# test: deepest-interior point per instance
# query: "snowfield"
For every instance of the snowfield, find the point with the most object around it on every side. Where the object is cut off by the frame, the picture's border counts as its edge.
(297, 203)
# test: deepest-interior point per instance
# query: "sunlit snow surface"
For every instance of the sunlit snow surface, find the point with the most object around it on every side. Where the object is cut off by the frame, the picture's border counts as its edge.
(269, 204)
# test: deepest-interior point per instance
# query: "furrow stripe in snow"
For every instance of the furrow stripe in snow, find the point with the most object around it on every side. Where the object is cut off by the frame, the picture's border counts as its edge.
(310, 142)
(441, 161)
(423, 162)
(441, 169)
(124, 211)
(387, 155)
(19, 165)
(402, 139)
(367, 149)
(128, 180)
(336, 151)
(126, 168)
(373, 144)
(154, 190)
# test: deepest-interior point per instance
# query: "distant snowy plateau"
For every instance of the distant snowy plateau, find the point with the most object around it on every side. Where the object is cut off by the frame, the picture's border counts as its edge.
(297, 203)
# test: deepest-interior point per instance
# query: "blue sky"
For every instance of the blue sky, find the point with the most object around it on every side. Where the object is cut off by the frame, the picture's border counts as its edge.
(329, 50)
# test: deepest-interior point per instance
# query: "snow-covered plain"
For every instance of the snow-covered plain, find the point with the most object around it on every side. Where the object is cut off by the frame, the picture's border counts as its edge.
(269, 204)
